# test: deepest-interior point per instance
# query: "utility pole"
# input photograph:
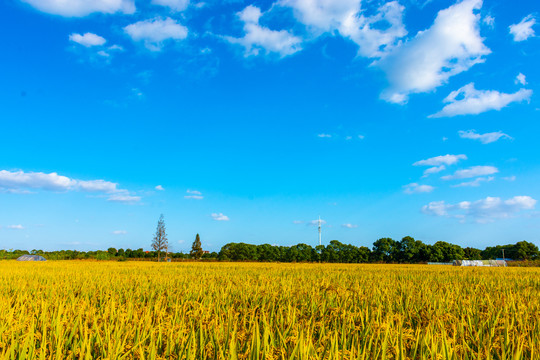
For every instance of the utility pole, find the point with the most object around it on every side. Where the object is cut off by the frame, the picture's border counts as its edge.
(503, 254)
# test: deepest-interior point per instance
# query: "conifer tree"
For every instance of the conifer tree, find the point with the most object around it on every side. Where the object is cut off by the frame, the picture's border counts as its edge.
(196, 249)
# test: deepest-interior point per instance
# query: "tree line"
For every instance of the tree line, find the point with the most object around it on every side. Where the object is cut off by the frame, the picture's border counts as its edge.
(384, 250)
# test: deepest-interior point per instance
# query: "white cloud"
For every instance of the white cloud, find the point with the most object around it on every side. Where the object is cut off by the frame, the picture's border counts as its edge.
(259, 39)
(433, 170)
(361, 137)
(322, 15)
(155, 32)
(97, 186)
(77, 8)
(415, 188)
(35, 180)
(489, 20)
(116, 48)
(469, 101)
(349, 226)
(441, 160)
(88, 39)
(510, 178)
(450, 46)
(486, 138)
(373, 41)
(220, 217)
(298, 222)
(15, 227)
(483, 210)
(520, 79)
(476, 182)
(374, 35)
(137, 93)
(194, 197)
(523, 30)
(438, 208)
(103, 53)
(324, 135)
(119, 232)
(159, 188)
(175, 5)
(471, 172)
(194, 194)
(19, 181)
(124, 198)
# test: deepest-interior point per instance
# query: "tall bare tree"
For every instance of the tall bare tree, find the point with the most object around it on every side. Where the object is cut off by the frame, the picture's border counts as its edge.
(160, 242)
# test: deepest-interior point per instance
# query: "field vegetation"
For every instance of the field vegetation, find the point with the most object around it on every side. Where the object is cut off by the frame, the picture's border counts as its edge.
(149, 310)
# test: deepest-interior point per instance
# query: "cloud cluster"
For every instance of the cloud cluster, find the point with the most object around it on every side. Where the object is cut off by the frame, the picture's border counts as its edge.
(486, 138)
(262, 40)
(15, 181)
(95, 43)
(322, 15)
(469, 101)
(374, 34)
(483, 210)
(154, 33)
(349, 226)
(220, 217)
(78, 8)
(523, 30)
(439, 163)
(450, 46)
(412, 64)
(373, 40)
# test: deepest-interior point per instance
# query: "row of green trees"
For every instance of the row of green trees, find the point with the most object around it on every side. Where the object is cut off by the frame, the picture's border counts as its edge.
(109, 254)
(385, 250)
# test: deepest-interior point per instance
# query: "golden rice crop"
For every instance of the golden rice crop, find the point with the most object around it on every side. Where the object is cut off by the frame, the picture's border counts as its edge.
(134, 310)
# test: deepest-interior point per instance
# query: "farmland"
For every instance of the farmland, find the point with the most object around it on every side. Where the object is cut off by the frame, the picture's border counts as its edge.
(144, 310)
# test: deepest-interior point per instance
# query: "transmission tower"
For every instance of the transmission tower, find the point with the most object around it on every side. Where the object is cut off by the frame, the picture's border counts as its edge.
(320, 230)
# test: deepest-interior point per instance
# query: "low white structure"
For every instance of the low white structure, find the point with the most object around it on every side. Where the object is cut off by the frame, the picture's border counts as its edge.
(488, 263)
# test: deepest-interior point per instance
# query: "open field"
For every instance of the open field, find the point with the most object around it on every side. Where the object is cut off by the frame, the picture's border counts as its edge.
(91, 310)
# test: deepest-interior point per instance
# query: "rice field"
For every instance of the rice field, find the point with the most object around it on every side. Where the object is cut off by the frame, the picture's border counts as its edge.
(140, 310)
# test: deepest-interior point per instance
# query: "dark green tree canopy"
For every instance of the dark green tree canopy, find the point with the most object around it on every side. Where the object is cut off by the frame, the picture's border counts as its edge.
(196, 248)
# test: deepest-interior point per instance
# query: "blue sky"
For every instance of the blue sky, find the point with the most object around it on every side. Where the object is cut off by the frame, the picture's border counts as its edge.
(243, 121)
